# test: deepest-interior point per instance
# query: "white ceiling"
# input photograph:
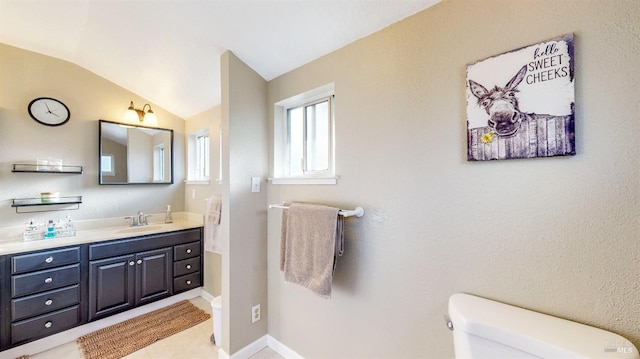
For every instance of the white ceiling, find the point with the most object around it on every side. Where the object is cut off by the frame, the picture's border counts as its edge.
(168, 51)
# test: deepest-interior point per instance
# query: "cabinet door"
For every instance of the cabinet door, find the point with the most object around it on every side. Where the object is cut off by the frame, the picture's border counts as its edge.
(111, 286)
(153, 275)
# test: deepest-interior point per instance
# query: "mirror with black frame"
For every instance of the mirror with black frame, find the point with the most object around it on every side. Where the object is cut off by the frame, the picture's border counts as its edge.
(131, 154)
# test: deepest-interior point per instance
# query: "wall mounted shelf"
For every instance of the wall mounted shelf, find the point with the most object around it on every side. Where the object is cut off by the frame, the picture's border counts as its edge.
(24, 205)
(33, 168)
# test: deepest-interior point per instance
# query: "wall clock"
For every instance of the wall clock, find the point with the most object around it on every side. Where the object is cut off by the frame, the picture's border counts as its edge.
(49, 111)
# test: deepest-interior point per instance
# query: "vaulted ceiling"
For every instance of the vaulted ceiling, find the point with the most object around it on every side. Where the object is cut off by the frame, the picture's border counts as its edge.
(168, 51)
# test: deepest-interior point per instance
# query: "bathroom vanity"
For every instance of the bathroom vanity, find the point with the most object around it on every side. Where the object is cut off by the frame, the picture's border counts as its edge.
(54, 288)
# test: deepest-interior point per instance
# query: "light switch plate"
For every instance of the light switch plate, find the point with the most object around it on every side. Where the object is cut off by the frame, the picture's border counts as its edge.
(255, 184)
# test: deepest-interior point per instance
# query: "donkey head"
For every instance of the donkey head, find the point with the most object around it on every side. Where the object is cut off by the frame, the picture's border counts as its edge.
(501, 104)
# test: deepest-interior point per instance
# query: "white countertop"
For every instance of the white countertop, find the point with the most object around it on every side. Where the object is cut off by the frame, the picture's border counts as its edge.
(90, 231)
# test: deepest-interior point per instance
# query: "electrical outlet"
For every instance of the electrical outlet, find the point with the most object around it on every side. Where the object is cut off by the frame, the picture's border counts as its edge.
(255, 313)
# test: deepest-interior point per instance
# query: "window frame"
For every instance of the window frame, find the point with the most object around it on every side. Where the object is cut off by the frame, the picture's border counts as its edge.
(282, 159)
(203, 157)
(159, 162)
(194, 157)
(112, 168)
(306, 172)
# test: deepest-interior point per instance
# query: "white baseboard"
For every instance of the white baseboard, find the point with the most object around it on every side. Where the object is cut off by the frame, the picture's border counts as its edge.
(72, 334)
(222, 354)
(206, 295)
(266, 341)
(250, 349)
(282, 349)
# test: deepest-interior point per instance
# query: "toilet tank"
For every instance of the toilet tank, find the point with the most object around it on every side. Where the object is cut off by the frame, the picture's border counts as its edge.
(484, 328)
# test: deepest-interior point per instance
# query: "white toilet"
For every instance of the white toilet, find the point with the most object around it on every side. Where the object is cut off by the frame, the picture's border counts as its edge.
(483, 328)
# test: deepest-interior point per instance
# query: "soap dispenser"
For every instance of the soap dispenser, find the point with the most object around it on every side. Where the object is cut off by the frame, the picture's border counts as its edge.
(168, 218)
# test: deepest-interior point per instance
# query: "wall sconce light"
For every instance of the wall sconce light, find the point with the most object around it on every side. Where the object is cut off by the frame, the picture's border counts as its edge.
(148, 117)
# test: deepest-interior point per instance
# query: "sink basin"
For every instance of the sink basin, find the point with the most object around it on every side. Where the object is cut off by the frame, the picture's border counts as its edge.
(139, 229)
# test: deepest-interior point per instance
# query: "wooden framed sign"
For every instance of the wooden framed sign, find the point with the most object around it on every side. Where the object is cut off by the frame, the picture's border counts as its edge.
(520, 104)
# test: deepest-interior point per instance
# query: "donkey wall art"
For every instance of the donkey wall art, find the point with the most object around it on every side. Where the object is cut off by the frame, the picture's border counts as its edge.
(511, 133)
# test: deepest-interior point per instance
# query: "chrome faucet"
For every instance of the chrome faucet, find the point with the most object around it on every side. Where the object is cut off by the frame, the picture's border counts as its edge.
(139, 220)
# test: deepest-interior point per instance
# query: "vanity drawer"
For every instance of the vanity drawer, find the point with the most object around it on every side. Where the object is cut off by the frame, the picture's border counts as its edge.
(184, 251)
(140, 244)
(45, 302)
(186, 282)
(36, 282)
(186, 266)
(43, 260)
(45, 324)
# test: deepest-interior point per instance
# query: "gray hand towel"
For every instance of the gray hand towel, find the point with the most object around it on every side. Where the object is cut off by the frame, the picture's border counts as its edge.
(312, 237)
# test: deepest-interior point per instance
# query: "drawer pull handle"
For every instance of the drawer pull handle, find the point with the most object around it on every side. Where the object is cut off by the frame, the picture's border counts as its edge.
(48, 324)
(188, 250)
(188, 282)
(48, 302)
(139, 261)
(49, 259)
(49, 280)
(188, 266)
(132, 263)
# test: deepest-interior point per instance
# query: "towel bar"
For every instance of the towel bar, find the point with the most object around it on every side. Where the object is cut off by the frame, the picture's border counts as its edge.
(358, 211)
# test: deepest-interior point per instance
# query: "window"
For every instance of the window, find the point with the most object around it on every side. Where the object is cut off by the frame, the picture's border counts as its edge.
(304, 138)
(107, 165)
(308, 138)
(198, 163)
(202, 157)
(158, 163)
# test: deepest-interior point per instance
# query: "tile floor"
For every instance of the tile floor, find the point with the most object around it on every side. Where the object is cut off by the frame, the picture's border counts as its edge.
(192, 343)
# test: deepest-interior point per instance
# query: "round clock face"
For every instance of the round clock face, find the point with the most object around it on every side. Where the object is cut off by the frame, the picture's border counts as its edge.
(49, 111)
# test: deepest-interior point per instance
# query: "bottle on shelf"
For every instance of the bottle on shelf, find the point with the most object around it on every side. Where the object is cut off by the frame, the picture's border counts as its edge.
(32, 231)
(50, 233)
(168, 218)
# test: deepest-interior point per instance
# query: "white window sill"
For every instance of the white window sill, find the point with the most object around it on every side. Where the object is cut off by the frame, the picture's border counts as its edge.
(197, 182)
(305, 180)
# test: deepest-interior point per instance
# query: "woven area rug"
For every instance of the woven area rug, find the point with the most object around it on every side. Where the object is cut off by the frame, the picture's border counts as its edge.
(125, 338)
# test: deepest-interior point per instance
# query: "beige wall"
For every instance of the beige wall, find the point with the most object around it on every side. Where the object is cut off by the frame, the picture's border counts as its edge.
(557, 235)
(244, 213)
(26, 75)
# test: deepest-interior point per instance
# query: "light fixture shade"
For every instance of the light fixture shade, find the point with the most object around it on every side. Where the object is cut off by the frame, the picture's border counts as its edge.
(131, 116)
(150, 119)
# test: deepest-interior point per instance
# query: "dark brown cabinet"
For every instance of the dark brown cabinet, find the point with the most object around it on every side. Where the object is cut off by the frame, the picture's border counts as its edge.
(153, 275)
(49, 291)
(111, 285)
(45, 294)
(121, 283)
(186, 268)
